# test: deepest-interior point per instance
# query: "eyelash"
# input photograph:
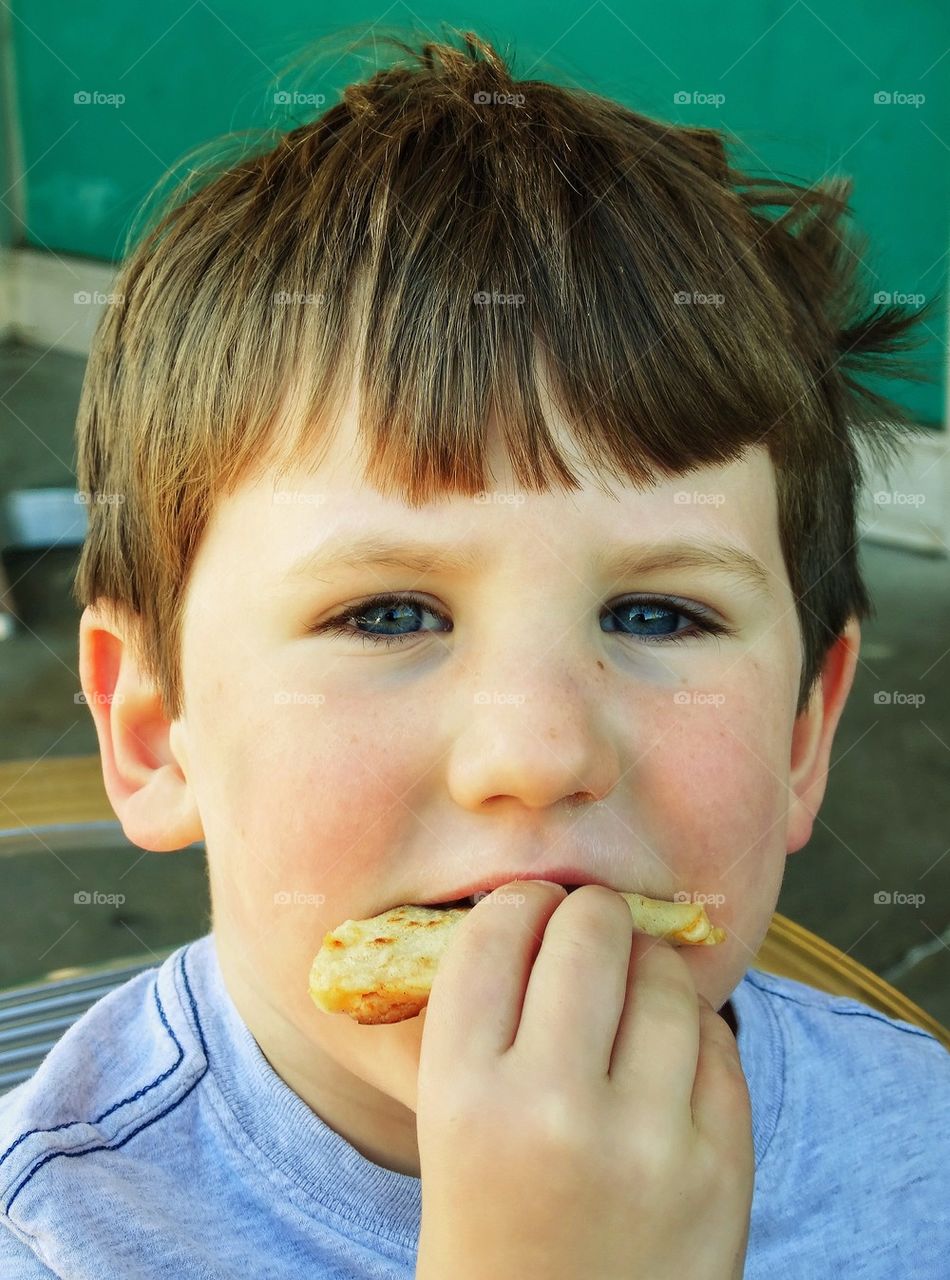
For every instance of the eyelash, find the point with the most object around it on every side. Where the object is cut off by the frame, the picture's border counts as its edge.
(702, 627)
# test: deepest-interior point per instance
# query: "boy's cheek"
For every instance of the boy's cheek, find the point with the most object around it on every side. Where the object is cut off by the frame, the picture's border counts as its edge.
(317, 814)
(710, 802)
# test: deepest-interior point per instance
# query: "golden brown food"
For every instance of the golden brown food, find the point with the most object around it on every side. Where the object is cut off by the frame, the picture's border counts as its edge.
(381, 970)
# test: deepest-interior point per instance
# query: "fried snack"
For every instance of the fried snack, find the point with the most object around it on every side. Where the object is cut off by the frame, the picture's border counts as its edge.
(381, 970)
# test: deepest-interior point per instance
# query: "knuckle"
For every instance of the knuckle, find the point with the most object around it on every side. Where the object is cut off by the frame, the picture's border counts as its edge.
(670, 997)
(555, 1120)
(465, 1105)
(663, 961)
(598, 898)
(652, 1155)
(588, 924)
(584, 950)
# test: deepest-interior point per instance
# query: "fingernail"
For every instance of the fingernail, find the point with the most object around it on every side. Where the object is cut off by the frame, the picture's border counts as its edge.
(552, 883)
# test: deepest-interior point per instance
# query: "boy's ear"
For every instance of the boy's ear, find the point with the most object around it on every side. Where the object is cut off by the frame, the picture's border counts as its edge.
(143, 760)
(814, 733)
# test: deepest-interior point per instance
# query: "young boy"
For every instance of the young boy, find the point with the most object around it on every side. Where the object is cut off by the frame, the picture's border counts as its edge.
(431, 425)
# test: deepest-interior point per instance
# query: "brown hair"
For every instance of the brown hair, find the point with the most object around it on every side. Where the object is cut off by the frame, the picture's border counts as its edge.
(426, 185)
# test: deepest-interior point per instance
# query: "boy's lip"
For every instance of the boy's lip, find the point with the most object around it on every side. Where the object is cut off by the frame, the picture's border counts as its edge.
(569, 877)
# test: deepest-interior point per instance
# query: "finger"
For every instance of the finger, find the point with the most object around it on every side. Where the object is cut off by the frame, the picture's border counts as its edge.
(576, 989)
(474, 1005)
(721, 1107)
(657, 1043)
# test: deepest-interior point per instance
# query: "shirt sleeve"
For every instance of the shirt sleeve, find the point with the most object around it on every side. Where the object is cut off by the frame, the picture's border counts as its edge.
(18, 1261)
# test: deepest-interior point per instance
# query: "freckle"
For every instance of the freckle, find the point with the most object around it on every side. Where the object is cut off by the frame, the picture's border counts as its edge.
(600, 664)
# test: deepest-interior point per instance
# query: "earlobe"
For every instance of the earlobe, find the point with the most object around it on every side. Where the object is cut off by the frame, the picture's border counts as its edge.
(144, 780)
(813, 736)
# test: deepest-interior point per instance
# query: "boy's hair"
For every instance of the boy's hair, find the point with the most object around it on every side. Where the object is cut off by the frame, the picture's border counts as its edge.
(374, 241)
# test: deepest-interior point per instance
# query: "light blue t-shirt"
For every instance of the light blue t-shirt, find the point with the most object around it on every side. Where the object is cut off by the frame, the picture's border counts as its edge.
(155, 1140)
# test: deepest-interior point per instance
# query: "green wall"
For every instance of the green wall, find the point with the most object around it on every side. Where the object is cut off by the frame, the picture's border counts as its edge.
(798, 82)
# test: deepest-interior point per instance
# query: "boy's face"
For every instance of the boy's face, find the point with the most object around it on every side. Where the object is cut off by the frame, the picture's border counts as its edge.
(332, 778)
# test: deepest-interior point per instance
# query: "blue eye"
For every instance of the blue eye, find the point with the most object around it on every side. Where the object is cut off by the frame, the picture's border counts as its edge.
(377, 611)
(657, 615)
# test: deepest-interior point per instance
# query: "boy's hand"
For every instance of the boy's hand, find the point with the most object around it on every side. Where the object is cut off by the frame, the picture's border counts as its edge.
(613, 1138)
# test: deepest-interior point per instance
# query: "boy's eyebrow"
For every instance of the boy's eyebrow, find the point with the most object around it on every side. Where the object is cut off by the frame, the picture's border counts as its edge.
(381, 551)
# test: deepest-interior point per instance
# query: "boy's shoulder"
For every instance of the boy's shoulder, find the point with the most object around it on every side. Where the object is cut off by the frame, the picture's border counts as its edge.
(848, 1046)
(130, 1058)
(155, 1139)
(821, 1013)
(106, 1064)
(851, 1121)
(825, 1070)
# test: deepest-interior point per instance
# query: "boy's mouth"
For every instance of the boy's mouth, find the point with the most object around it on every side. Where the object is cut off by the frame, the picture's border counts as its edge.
(473, 898)
(381, 969)
(569, 876)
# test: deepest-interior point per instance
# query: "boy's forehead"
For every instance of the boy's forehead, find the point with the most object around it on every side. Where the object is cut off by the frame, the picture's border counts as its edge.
(738, 495)
(286, 510)
(735, 499)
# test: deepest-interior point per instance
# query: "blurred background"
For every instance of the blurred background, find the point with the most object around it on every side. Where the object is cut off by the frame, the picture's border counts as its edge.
(99, 101)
